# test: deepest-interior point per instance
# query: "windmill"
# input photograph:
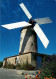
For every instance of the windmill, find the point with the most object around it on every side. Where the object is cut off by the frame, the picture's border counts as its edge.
(30, 27)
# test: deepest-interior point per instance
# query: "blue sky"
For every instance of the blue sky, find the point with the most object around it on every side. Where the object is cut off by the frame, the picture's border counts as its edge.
(11, 13)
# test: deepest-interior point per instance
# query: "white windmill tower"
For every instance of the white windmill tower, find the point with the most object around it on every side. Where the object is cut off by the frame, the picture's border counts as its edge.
(28, 40)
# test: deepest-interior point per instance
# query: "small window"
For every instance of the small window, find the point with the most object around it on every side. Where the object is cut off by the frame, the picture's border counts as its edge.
(31, 44)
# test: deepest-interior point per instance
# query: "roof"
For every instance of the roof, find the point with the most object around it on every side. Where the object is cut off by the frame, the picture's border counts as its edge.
(38, 54)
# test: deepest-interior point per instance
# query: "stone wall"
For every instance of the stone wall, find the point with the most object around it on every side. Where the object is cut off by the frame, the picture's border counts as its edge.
(24, 58)
(28, 57)
(15, 59)
(11, 60)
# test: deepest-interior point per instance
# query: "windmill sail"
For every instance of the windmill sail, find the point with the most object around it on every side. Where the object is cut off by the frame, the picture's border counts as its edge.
(43, 20)
(41, 35)
(25, 10)
(16, 25)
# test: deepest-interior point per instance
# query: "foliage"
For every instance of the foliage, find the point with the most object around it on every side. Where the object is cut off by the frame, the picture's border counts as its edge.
(1, 64)
(18, 66)
(36, 77)
(25, 66)
(48, 67)
(10, 66)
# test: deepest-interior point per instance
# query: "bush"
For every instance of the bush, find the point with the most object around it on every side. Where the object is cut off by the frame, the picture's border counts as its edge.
(18, 66)
(1, 64)
(10, 66)
(25, 66)
(48, 67)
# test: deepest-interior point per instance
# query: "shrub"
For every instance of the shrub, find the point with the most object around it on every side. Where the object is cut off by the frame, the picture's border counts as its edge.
(11, 66)
(18, 66)
(1, 64)
(25, 66)
(48, 67)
